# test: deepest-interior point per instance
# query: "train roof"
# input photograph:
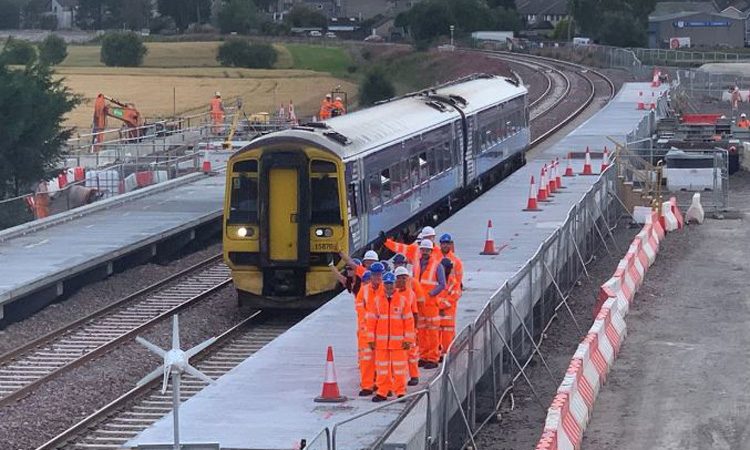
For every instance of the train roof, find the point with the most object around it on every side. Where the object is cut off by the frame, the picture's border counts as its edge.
(387, 123)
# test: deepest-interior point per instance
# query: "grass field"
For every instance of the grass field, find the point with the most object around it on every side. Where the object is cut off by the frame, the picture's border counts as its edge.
(190, 70)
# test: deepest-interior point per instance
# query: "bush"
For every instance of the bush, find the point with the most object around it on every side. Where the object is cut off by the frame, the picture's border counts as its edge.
(18, 52)
(163, 25)
(375, 87)
(122, 49)
(53, 50)
(241, 53)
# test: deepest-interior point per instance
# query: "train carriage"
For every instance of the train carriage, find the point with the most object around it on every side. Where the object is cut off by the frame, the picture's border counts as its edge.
(295, 198)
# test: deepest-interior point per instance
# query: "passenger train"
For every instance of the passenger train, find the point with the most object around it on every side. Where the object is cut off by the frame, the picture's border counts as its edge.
(295, 198)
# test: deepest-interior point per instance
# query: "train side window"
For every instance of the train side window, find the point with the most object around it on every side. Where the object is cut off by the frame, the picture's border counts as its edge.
(414, 171)
(396, 179)
(405, 181)
(447, 163)
(352, 192)
(374, 191)
(243, 205)
(385, 184)
(424, 167)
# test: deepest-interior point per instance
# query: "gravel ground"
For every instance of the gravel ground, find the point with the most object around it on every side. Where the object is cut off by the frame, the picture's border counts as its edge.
(95, 296)
(521, 427)
(65, 400)
(680, 381)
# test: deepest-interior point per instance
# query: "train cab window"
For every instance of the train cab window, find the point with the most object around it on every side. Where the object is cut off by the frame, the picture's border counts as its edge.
(424, 168)
(249, 166)
(374, 188)
(385, 185)
(243, 206)
(324, 193)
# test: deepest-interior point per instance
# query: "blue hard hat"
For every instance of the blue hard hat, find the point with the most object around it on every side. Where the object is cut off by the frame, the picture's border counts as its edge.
(377, 267)
(399, 259)
(389, 278)
(446, 238)
(357, 261)
(366, 276)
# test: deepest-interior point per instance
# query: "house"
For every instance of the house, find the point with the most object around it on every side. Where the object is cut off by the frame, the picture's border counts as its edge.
(64, 11)
(534, 12)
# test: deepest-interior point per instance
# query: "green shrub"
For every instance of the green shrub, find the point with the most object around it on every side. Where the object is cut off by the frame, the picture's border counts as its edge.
(53, 50)
(18, 52)
(122, 49)
(241, 53)
(375, 87)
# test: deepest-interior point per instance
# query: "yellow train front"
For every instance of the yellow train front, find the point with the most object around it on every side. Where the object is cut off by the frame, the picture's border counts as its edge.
(284, 221)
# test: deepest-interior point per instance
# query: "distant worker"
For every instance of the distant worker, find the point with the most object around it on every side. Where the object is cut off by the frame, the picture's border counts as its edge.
(349, 279)
(41, 201)
(337, 107)
(448, 302)
(100, 118)
(326, 107)
(743, 122)
(431, 277)
(217, 113)
(371, 256)
(411, 251)
(405, 283)
(736, 99)
(394, 335)
(448, 250)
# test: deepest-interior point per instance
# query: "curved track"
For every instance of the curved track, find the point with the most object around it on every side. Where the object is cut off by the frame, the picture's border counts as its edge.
(124, 418)
(26, 367)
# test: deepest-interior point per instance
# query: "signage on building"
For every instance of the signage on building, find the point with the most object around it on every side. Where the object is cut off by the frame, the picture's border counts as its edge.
(701, 23)
(679, 42)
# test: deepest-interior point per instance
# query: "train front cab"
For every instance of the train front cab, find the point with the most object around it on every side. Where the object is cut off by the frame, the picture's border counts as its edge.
(284, 221)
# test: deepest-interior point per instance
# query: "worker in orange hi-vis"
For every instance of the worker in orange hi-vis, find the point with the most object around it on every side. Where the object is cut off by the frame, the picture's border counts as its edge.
(337, 107)
(365, 354)
(448, 302)
(431, 277)
(216, 109)
(390, 319)
(411, 251)
(41, 201)
(100, 118)
(371, 256)
(743, 122)
(326, 106)
(404, 282)
(447, 250)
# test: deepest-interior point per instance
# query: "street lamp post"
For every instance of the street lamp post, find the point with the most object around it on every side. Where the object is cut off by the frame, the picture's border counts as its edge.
(452, 28)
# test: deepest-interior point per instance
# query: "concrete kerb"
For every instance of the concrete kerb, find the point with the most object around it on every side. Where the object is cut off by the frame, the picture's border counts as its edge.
(572, 408)
(30, 227)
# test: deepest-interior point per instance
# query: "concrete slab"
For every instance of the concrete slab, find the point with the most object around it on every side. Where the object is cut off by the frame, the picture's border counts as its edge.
(267, 401)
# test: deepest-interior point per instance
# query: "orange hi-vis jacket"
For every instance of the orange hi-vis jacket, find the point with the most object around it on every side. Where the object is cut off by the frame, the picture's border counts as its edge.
(450, 295)
(391, 321)
(364, 297)
(216, 107)
(458, 267)
(411, 251)
(419, 296)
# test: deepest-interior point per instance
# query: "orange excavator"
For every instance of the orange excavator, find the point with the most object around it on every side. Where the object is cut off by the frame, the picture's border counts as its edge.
(125, 112)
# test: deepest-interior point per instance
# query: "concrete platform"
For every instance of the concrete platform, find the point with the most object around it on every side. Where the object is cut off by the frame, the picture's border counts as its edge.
(267, 401)
(49, 258)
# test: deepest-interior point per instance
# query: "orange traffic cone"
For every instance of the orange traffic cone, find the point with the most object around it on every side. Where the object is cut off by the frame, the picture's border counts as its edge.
(541, 195)
(587, 164)
(558, 177)
(653, 101)
(655, 80)
(330, 392)
(531, 205)
(551, 183)
(605, 159)
(489, 242)
(641, 105)
(206, 166)
(569, 169)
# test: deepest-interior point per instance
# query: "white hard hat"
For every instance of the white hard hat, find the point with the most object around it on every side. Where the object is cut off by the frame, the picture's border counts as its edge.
(217, 93)
(328, 95)
(743, 115)
(371, 255)
(338, 99)
(426, 243)
(428, 231)
(401, 271)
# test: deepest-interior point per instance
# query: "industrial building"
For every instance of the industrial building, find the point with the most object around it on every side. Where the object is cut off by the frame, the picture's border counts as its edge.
(696, 24)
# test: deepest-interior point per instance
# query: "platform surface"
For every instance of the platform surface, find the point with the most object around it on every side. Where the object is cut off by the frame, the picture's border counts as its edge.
(45, 255)
(267, 401)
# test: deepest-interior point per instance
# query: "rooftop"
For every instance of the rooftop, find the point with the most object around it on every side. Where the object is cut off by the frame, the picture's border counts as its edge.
(556, 7)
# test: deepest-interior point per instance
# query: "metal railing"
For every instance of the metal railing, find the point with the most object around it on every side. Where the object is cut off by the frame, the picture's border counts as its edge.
(673, 57)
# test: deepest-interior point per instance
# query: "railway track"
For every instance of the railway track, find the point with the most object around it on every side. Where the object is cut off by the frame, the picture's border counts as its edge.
(124, 418)
(28, 366)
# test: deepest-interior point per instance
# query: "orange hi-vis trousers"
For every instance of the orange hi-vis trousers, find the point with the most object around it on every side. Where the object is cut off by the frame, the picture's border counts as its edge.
(428, 334)
(413, 355)
(447, 327)
(366, 357)
(390, 371)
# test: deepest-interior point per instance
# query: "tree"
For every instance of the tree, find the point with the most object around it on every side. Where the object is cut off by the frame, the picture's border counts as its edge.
(303, 17)
(621, 30)
(10, 14)
(238, 15)
(53, 50)
(560, 32)
(18, 52)
(103, 14)
(375, 87)
(122, 49)
(33, 106)
(185, 12)
(241, 53)
(596, 18)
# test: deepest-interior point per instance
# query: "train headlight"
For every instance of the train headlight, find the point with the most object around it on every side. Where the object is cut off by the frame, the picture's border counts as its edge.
(323, 232)
(245, 232)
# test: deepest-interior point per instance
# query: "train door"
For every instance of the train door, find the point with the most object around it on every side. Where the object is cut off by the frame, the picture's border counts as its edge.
(470, 168)
(282, 212)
